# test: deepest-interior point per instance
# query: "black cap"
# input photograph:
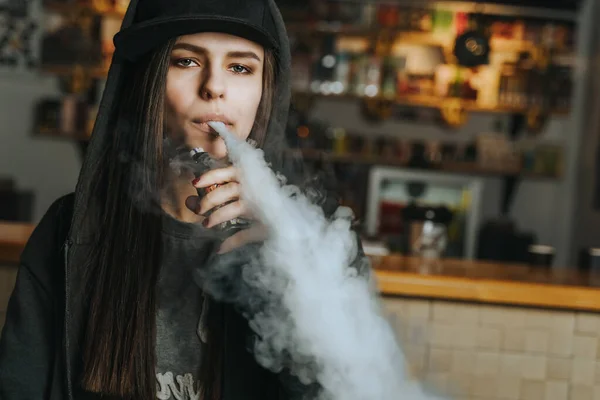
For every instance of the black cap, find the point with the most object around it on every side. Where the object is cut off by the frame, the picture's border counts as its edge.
(157, 21)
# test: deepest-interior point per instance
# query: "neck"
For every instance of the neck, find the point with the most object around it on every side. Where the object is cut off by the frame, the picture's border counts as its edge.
(174, 196)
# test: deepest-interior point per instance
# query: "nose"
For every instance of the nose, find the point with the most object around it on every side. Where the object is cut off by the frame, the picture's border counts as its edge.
(213, 84)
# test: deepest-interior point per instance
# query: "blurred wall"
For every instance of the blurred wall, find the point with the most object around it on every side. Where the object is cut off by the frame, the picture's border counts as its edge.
(47, 166)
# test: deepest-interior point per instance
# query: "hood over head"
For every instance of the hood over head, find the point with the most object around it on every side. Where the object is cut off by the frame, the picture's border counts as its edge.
(151, 23)
(157, 20)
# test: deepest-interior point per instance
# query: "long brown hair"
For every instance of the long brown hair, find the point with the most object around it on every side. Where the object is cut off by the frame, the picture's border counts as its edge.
(118, 343)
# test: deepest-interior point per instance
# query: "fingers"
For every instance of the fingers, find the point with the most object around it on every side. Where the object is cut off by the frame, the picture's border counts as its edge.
(228, 212)
(223, 203)
(221, 195)
(216, 176)
(236, 209)
(254, 234)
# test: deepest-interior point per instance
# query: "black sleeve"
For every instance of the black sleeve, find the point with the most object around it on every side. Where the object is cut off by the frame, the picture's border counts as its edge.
(29, 338)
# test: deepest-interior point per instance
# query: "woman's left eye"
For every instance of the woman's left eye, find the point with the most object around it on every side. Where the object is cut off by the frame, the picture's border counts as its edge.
(240, 69)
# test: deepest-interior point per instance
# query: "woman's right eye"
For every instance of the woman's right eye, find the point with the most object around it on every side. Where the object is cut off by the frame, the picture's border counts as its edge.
(185, 62)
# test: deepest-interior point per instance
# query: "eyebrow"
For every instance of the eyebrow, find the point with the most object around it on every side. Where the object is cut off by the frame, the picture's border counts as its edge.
(202, 51)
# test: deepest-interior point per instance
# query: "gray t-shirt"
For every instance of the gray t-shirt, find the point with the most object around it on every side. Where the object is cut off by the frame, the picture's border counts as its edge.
(179, 330)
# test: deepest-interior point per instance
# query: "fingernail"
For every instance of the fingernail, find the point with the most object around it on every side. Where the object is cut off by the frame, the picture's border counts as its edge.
(195, 181)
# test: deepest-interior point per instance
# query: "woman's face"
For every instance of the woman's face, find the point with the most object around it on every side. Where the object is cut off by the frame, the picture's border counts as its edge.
(212, 77)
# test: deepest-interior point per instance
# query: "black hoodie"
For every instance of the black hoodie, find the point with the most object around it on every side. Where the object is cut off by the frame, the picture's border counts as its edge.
(38, 359)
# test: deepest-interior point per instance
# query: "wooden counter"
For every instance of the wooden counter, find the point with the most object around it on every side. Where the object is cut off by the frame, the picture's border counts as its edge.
(13, 237)
(447, 279)
(488, 282)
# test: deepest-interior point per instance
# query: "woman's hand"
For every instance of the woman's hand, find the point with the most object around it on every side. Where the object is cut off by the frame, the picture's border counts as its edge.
(223, 189)
(225, 193)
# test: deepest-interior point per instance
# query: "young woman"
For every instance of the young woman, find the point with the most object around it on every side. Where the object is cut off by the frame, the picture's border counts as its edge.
(104, 304)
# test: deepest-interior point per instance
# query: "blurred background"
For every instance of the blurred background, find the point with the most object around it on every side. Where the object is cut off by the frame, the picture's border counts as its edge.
(484, 115)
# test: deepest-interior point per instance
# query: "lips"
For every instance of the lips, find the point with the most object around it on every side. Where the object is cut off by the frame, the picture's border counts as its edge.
(204, 127)
(202, 122)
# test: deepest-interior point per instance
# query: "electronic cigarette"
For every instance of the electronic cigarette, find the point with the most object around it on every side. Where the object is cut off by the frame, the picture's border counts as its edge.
(201, 163)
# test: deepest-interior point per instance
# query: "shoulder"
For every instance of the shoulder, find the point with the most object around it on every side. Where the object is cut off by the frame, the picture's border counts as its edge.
(43, 249)
(57, 216)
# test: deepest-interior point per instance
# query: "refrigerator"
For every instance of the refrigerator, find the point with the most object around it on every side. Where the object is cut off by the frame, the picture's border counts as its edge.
(393, 192)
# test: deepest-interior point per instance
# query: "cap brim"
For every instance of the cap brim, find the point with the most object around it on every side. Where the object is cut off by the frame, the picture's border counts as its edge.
(132, 42)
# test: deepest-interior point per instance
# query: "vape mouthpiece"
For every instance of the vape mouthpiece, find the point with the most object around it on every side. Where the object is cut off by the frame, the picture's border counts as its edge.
(219, 127)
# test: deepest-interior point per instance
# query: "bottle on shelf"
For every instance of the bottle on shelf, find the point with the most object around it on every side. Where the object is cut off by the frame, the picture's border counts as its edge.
(391, 67)
(348, 49)
(324, 66)
(301, 68)
(373, 72)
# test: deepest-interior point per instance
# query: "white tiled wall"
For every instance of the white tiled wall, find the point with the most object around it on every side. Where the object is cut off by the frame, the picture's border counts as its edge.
(477, 352)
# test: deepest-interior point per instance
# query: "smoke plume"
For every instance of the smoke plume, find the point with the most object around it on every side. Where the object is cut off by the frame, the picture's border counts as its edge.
(319, 314)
